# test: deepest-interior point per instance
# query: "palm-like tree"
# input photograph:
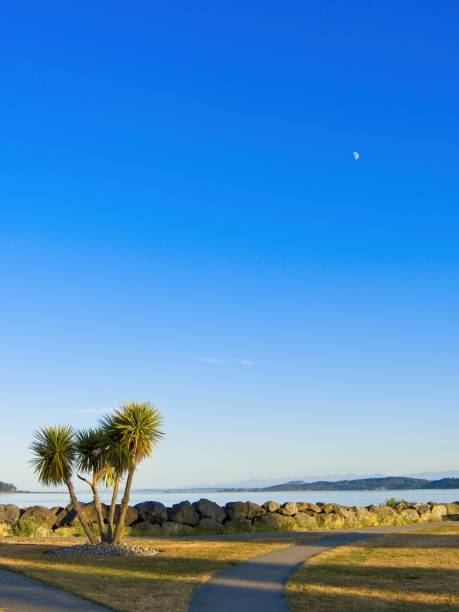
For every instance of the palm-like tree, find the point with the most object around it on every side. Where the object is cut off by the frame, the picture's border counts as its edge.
(92, 458)
(54, 456)
(134, 430)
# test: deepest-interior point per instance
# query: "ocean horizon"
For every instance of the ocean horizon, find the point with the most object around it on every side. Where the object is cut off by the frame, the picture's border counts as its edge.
(346, 498)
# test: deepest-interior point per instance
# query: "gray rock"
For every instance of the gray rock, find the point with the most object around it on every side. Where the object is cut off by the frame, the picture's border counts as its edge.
(273, 521)
(132, 515)
(183, 513)
(421, 508)
(254, 510)
(152, 511)
(330, 520)
(329, 508)
(39, 515)
(173, 529)
(399, 506)
(307, 507)
(9, 514)
(362, 514)
(384, 514)
(271, 506)
(410, 515)
(145, 528)
(438, 511)
(288, 509)
(244, 525)
(210, 524)
(210, 510)
(306, 520)
(237, 511)
(452, 509)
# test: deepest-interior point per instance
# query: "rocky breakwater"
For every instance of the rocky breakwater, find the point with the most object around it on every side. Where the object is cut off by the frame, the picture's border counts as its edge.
(152, 518)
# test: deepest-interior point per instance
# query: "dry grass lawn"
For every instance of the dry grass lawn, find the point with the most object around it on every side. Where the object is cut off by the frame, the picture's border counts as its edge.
(161, 583)
(409, 571)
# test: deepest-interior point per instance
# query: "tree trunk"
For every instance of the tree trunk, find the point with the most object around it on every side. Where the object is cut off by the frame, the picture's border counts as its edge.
(123, 509)
(111, 512)
(76, 506)
(98, 507)
(97, 504)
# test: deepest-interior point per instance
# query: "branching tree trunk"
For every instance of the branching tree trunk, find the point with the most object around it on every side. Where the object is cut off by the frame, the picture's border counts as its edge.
(123, 509)
(97, 505)
(76, 506)
(112, 509)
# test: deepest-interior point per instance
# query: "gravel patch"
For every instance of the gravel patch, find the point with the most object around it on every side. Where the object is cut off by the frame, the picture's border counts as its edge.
(102, 551)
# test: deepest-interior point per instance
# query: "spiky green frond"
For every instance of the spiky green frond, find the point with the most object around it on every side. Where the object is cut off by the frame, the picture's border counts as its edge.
(53, 451)
(91, 450)
(134, 429)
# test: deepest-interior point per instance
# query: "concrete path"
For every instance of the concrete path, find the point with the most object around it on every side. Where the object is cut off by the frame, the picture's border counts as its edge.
(23, 594)
(257, 585)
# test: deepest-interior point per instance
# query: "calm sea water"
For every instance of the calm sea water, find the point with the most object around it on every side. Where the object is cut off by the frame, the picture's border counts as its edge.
(346, 498)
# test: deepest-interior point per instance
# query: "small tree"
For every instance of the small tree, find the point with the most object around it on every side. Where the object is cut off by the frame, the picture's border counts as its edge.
(54, 456)
(106, 454)
(134, 430)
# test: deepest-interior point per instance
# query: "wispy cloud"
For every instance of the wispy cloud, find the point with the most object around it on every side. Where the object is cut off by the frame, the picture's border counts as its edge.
(212, 360)
(240, 362)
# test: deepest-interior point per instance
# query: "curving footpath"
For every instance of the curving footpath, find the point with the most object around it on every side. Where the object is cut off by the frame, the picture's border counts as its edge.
(21, 594)
(257, 585)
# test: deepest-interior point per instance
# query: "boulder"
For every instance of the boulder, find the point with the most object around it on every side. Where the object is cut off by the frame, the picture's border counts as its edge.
(349, 516)
(438, 511)
(183, 513)
(328, 508)
(244, 525)
(363, 515)
(424, 512)
(384, 514)
(88, 511)
(210, 524)
(452, 509)
(399, 506)
(173, 529)
(410, 515)
(9, 514)
(421, 508)
(59, 514)
(237, 510)
(5, 530)
(276, 522)
(132, 515)
(254, 510)
(271, 506)
(151, 511)
(306, 520)
(209, 510)
(39, 515)
(288, 509)
(330, 520)
(145, 528)
(307, 507)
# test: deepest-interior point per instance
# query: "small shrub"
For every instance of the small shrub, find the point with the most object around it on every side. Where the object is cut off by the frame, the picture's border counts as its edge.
(392, 501)
(24, 529)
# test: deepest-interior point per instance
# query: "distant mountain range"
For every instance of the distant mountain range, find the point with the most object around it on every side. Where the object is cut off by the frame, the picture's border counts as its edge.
(258, 483)
(7, 487)
(367, 484)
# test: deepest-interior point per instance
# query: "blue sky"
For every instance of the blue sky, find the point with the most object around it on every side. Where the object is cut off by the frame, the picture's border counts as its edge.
(182, 221)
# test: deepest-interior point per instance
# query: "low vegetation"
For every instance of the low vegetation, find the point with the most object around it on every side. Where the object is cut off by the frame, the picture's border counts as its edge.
(409, 571)
(161, 583)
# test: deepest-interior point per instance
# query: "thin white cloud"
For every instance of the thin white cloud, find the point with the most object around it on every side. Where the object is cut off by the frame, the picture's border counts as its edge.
(212, 360)
(247, 362)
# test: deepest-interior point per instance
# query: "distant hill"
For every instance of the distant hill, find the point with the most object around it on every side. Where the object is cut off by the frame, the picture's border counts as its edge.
(367, 484)
(6, 487)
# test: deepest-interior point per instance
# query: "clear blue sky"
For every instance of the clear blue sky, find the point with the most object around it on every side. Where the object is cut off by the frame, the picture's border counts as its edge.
(182, 221)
